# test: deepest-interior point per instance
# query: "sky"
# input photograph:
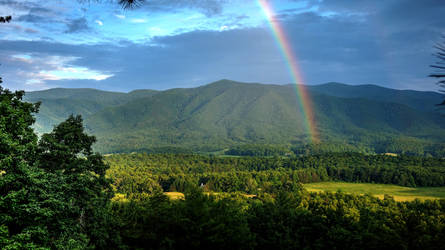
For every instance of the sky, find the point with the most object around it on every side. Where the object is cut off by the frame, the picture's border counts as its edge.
(165, 44)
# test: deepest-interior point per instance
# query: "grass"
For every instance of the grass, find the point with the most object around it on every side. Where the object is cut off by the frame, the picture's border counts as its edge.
(174, 195)
(379, 190)
(179, 195)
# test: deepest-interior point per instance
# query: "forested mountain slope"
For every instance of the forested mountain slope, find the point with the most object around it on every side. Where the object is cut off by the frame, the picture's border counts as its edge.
(226, 113)
(422, 100)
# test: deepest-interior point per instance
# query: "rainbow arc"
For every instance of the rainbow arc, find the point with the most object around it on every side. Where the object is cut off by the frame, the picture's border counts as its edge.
(294, 70)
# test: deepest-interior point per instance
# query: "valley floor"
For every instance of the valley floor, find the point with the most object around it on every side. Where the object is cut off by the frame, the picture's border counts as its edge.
(399, 193)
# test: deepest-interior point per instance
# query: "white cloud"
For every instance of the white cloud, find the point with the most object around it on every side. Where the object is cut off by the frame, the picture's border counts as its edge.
(53, 68)
(119, 16)
(100, 23)
(224, 27)
(138, 20)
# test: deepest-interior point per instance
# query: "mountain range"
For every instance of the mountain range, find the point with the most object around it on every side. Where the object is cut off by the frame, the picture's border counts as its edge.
(228, 113)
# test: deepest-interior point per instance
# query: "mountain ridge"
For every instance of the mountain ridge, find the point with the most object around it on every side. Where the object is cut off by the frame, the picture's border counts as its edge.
(225, 113)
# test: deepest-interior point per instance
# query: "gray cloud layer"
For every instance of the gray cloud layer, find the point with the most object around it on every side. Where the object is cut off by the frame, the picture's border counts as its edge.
(382, 42)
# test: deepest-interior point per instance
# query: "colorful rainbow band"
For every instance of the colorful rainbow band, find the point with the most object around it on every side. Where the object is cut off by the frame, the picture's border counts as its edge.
(292, 64)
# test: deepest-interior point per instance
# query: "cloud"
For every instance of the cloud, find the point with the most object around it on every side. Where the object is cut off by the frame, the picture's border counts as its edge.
(19, 5)
(100, 23)
(33, 70)
(54, 68)
(77, 25)
(27, 11)
(31, 18)
(389, 43)
(207, 7)
(119, 16)
(138, 20)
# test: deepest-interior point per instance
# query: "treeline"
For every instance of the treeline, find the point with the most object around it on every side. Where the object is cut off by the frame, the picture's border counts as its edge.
(259, 150)
(137, 173)
(285, 220)
(399, 145)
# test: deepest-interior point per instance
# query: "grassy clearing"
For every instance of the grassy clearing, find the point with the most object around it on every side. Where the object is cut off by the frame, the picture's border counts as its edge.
(379, 190)
(179, 195)
(174, 195)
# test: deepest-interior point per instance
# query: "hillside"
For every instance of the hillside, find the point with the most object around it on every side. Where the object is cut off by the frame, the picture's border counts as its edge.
(227, 113)
(422, 100)
(58, 104)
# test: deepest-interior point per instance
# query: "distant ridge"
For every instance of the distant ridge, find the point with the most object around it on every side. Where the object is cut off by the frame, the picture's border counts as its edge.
(422, 100)
(224, 113)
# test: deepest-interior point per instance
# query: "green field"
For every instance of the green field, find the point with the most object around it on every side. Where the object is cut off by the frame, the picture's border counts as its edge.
(379, 190)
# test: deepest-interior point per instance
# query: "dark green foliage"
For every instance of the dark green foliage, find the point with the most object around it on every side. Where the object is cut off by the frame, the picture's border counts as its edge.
(66, 152)
(259, 150)
(145, 173)
(22, 200)
(284, 220)
(54, 193)
(282, 215)
(198, 222)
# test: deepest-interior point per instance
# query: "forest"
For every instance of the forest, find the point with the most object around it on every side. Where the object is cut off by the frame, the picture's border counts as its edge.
(146, 173)
(56, 193)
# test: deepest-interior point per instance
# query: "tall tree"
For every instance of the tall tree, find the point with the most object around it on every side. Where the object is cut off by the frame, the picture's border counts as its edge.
(53, 193)
(67, 153)
(22, 184)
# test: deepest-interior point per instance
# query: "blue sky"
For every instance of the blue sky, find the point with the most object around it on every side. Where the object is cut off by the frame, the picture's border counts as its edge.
(185, 43)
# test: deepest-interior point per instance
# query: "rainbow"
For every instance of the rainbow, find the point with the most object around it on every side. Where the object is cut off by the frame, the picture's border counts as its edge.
(294, 70)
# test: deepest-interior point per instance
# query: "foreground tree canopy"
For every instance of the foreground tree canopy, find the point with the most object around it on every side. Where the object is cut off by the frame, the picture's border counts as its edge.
(53, 193)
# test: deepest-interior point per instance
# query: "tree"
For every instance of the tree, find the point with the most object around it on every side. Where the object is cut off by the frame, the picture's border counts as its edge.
(23, 201)
(53, 193)
(5, 19)
(130, 3)
(67, 153)
(440, 66)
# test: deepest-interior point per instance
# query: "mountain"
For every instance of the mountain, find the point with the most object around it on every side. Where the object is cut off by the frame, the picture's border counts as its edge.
(58, 103)
(227, 113)
(422, 100)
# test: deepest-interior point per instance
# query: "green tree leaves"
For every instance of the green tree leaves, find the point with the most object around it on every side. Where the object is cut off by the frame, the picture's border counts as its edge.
(53, 193)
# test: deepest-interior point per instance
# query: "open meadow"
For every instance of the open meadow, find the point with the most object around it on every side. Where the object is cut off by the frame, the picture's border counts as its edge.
(379, 190)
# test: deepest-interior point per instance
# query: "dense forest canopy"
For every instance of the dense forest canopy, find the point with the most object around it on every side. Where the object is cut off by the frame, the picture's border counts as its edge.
(56, 194)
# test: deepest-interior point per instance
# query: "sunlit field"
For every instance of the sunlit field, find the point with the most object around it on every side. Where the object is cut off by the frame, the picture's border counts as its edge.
(399, 193)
